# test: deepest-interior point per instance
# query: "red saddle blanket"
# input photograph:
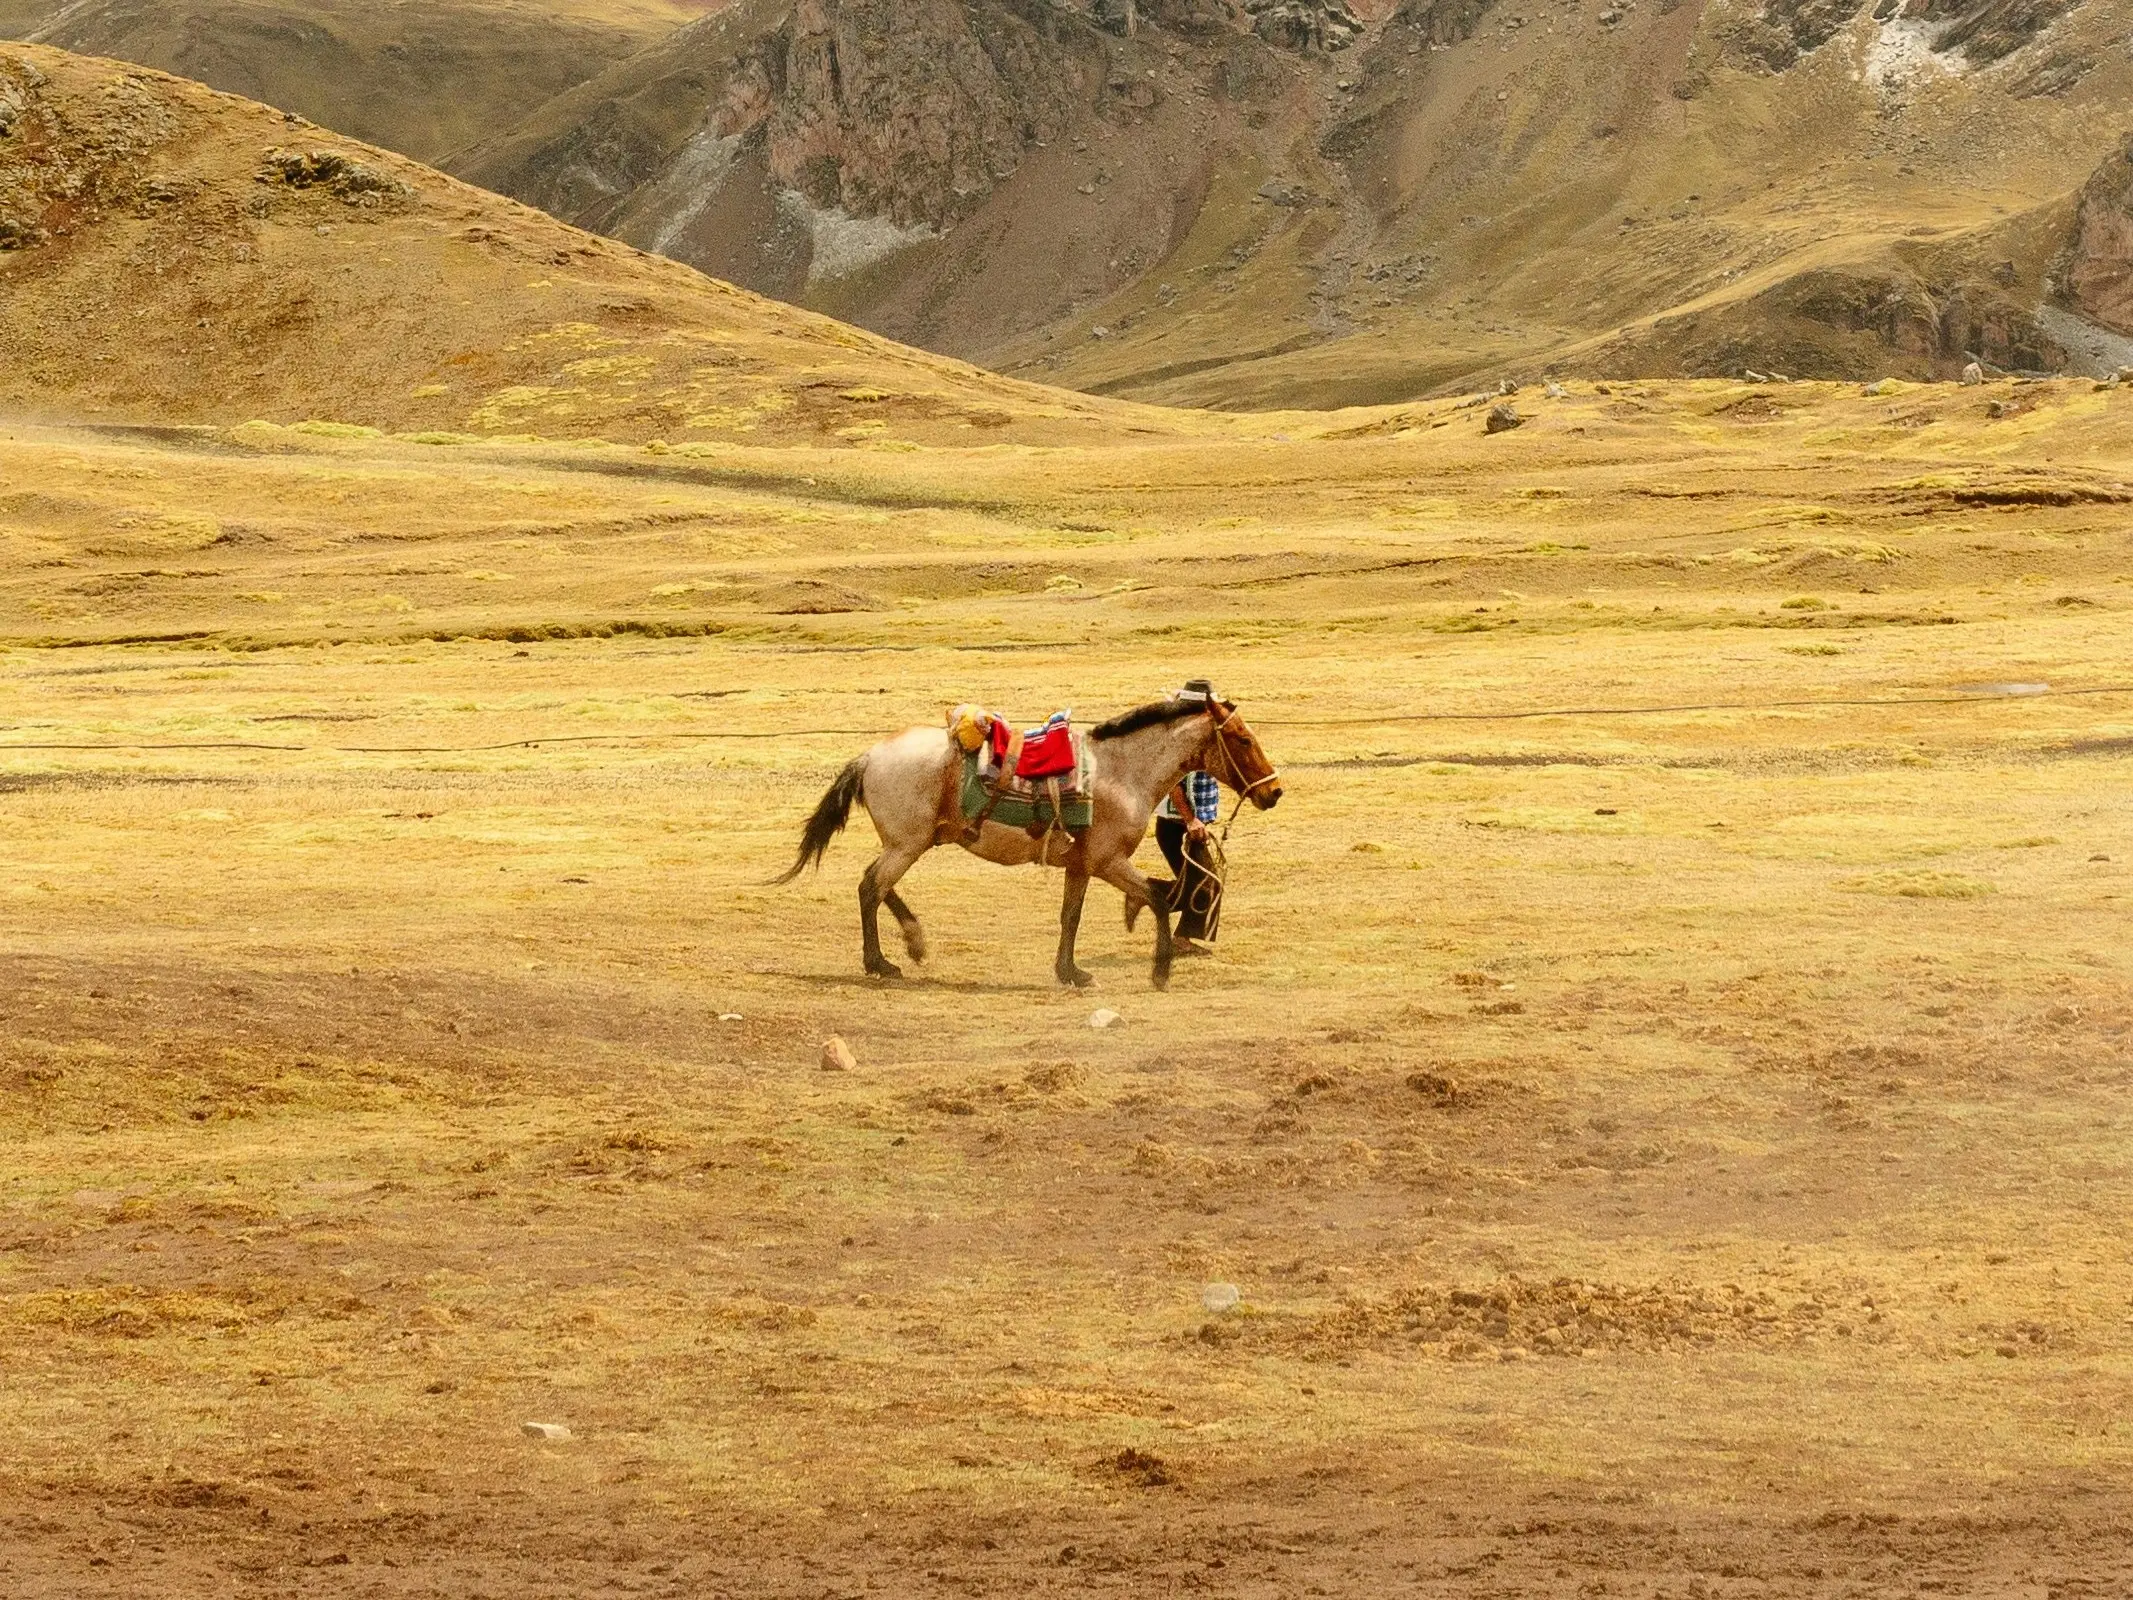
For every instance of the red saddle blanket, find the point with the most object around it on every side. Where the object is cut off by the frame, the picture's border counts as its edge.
(1047, 752)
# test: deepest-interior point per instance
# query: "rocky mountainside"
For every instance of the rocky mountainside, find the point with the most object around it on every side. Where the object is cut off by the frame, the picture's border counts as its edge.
(1260, 203)
(421, 79)
(954, 174)
(1297, 203)
(172, 254)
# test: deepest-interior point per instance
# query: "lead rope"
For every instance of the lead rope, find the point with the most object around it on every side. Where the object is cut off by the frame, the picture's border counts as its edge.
(1206, 896)
(1214, 871)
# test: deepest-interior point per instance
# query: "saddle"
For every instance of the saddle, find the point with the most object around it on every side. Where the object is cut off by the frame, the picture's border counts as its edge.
(1035, 780)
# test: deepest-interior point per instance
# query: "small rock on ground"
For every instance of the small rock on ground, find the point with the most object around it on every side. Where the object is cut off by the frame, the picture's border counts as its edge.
(837, 1056)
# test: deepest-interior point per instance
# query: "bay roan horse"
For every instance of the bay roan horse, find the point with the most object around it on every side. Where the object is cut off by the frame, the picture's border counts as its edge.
(911, 788)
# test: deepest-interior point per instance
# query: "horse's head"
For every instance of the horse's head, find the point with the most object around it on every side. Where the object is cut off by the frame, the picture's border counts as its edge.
(1236, 757)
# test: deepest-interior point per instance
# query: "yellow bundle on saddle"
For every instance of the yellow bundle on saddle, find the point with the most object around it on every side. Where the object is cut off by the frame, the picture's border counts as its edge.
(969, 725)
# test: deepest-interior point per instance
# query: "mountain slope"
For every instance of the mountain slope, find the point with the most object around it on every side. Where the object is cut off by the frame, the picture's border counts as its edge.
(422, 80)
(1188, 209)
(1644, 192)
(171, 253)
(954, 175)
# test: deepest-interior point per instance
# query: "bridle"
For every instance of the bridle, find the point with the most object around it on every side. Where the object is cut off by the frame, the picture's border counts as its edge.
(1236, 780)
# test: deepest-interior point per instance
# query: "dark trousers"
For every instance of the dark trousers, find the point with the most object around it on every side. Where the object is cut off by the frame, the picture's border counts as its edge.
(1197, 896)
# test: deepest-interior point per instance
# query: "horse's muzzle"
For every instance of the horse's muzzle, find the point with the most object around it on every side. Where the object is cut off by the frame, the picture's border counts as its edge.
(1268, 799)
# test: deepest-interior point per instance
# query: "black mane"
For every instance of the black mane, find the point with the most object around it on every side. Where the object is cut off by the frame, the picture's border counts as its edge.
(1154, 714)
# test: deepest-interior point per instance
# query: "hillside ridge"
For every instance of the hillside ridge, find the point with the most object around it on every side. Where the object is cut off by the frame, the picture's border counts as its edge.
(171, 253)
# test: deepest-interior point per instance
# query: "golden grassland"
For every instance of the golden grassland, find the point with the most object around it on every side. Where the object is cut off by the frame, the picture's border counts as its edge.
(1680, 1152)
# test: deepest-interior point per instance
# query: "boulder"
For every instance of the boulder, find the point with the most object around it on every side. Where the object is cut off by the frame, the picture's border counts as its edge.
(1502, 418)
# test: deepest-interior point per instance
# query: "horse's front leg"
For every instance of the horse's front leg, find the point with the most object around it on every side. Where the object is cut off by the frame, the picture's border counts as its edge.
(1077, 890)
(1134, 884)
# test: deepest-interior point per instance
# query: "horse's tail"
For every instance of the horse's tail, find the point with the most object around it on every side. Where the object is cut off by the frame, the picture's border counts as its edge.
(834, 811)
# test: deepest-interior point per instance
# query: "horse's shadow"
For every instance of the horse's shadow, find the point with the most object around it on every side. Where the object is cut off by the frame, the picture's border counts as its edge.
(859, 980)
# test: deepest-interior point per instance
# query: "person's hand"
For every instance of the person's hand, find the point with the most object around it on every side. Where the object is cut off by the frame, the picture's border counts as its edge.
(1196, 830)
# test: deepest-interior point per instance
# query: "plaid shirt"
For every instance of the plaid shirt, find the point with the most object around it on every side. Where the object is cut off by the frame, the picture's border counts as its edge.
(1204, 793)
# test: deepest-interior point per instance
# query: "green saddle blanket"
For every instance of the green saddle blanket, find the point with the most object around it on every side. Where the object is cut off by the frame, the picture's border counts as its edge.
(1021, 804)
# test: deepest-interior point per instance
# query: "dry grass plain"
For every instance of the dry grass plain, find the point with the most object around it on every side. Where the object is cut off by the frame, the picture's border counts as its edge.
(1668, 1154)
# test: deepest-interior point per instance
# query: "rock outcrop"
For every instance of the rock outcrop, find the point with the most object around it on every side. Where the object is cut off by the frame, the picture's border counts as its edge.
(2097, 271)
(63, 163)
(1443, 22)
(348, 180)
(1989, 31)
(1853, 322)
(1310, 25)
(1781, 32)
(906, 113)
(948, 173)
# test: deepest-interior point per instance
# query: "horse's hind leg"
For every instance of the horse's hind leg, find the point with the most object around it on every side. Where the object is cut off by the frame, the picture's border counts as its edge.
(907, 920)
(876, 884)
(1077, 890)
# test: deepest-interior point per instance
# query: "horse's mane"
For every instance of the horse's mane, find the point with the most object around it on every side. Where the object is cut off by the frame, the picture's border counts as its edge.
(1154, 714)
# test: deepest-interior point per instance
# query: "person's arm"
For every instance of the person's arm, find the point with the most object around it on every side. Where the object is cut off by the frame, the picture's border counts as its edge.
(1188, 813)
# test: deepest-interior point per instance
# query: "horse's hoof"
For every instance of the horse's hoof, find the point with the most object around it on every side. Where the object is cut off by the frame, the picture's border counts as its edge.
(885, 969)
(1077, 978)
(1160, 977)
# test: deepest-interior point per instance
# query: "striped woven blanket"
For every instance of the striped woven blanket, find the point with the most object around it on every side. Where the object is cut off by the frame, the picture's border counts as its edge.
(1037, 804)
